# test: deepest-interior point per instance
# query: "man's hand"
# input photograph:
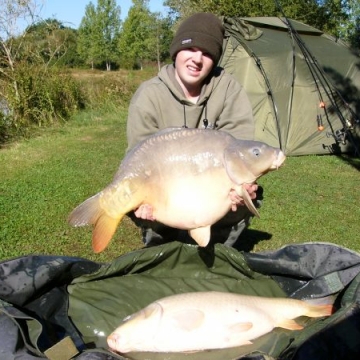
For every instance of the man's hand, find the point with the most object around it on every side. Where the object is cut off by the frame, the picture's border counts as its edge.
(236, 199)
(144, 212)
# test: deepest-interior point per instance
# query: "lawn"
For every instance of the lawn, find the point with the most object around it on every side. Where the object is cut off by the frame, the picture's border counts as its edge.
(311, 198)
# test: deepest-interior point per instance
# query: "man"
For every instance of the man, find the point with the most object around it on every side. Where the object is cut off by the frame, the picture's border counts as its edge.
(193, 92)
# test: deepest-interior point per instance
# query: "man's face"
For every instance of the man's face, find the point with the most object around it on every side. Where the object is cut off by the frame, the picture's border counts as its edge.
(192, 66)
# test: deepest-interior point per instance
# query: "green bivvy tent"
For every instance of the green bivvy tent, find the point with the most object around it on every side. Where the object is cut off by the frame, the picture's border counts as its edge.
(298, 80)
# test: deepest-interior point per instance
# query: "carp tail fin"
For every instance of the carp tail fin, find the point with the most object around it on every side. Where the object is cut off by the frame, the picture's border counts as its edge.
(289, 324)
(90, 212)
(86, 213)
(319, 310)
(104, 230)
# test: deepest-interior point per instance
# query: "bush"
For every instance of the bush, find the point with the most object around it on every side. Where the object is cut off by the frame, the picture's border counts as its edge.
(106, 89)
(38, 96)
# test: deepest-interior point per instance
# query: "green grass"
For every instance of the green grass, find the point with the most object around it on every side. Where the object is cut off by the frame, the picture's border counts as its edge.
(311, 198)
(43, 178)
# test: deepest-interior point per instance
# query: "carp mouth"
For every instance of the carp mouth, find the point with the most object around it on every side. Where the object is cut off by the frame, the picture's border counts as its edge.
(280, 158)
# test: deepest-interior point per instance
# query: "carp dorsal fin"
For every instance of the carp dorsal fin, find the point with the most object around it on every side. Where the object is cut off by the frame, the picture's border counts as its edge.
(201, 235)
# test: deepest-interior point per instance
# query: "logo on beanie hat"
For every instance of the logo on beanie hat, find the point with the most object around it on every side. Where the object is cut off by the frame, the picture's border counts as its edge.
(186, 41)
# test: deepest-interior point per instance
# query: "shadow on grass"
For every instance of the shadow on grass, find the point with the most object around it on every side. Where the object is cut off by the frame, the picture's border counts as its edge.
(249, 238)
(351, 160)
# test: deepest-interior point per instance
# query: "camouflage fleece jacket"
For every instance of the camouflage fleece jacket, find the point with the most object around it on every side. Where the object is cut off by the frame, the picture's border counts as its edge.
(160, 103)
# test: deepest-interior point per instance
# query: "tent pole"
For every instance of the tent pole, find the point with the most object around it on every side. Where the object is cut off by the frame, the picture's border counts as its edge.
(292, 87)
(266, 79)
(270, 93)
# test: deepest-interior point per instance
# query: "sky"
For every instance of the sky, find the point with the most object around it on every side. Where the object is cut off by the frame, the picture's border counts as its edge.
(70, 12)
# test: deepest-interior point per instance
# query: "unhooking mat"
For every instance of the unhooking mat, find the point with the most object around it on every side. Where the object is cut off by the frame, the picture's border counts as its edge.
(62, 307)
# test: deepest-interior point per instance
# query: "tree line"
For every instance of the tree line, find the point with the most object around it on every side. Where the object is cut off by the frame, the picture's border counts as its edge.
(146, 36)
(340, 18)
(104, 41)
(33, 57)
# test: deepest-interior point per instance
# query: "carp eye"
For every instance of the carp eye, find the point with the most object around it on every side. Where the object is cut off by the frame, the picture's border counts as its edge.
(256, 152)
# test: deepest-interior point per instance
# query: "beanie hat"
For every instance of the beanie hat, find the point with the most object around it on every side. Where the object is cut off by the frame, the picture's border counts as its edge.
(201, 30)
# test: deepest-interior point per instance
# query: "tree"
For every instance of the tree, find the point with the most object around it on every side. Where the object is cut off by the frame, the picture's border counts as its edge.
(138, 41)
(11, 43)
(350, 29)
(87, 36)
(70, 56)
(163, 36)
(331, 16)
(108, 17)
(31, 91)
(54, 43)
(354, 34)
(98, 33)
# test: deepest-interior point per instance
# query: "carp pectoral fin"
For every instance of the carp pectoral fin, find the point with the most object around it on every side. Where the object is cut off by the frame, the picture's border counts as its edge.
(189, 319)
(237, 331)
(241, 327)
(235, 166)
(153, 309)
(201, 235)
(248, 202)
(104, 230)
(289, 324)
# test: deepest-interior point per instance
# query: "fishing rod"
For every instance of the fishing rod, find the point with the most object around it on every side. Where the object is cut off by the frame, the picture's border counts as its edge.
(341, 134)
(318, 76)
(335, 93)
(316, 79)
